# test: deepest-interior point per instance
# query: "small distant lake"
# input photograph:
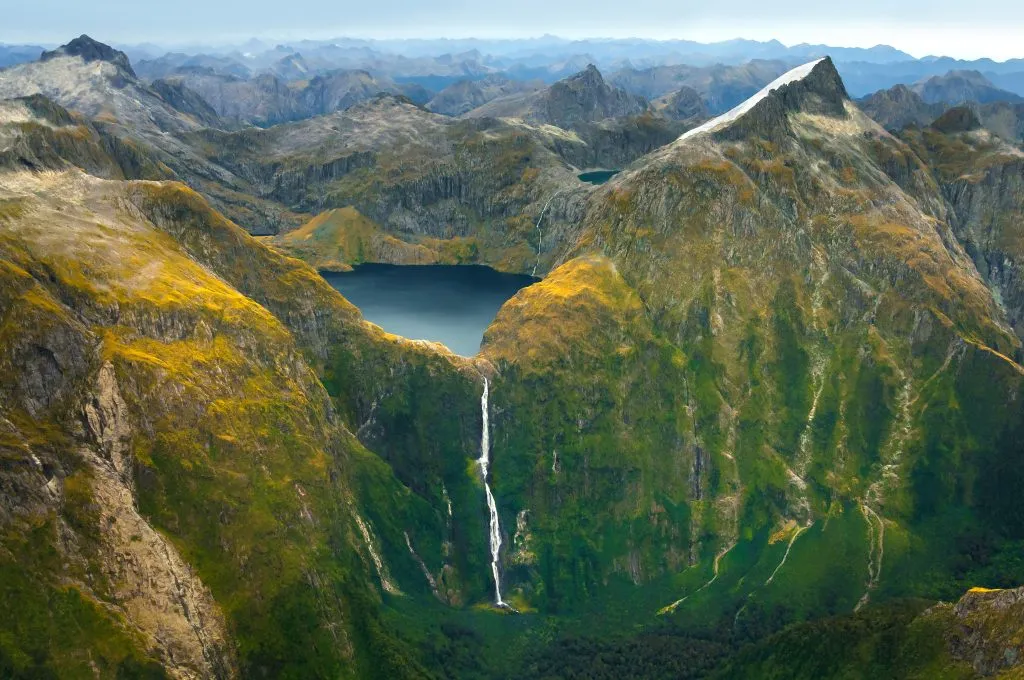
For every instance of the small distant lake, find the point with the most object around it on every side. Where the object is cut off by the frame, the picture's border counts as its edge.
(597, 176)
(453, 305)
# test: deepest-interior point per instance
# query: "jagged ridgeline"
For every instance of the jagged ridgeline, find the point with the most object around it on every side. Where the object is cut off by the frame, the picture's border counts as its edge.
(770, 378)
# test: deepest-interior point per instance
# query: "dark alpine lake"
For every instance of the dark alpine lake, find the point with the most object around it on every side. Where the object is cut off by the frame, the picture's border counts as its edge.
(448, 304)
(598, 176)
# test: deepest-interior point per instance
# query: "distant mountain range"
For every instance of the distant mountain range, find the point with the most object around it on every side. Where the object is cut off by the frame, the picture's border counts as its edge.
(435, 64)
(543, 81)
(1000, 111)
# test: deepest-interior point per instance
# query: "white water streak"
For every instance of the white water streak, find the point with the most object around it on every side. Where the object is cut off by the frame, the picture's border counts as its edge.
(382, 571)
(875, 495)
(423, 565)
(672, 607)
(492, 506)
(540, 233)
(792, 540)
(876, 552)
(447, 500)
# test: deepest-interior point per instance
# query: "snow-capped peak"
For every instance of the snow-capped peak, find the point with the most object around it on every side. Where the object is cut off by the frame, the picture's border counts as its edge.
(729, 116)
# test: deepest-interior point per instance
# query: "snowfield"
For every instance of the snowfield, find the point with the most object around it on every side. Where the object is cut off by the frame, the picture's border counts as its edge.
(729, 116)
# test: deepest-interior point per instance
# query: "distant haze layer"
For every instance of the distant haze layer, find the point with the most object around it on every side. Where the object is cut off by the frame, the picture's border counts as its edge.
(990, 28)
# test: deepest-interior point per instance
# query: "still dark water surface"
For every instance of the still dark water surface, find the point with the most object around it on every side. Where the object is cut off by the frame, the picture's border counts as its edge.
(597, 176)
(448, 304)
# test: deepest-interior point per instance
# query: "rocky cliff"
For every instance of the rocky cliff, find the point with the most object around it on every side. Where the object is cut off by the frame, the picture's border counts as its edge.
(982, 178)
(582, 98)
(466, 95)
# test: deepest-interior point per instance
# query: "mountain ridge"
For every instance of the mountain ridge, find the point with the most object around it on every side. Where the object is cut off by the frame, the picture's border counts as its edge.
(584, 97)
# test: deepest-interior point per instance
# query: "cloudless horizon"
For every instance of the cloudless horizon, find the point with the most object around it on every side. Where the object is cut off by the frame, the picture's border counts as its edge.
(992, 28)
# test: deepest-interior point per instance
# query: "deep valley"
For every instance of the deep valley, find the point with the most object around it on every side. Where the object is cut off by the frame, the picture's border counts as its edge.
(703, 370)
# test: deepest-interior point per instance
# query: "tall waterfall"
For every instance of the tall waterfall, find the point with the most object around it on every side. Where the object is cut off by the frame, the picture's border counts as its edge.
(485, 462)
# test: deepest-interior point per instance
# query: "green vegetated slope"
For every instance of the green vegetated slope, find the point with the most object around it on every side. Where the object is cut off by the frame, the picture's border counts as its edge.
(188, 464)
(764, 383)
(766, 396)
(181, 487)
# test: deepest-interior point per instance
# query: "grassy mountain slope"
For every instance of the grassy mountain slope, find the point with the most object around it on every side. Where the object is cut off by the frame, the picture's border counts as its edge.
(168, 440)
(812, 332)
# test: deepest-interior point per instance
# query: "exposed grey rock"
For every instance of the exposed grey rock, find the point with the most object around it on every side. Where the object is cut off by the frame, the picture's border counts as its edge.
(986, 630)
(91, 50)
(582, 98)
(187, 101)
(898, 107)
(466, 95)
(821, 92)
(683, 104)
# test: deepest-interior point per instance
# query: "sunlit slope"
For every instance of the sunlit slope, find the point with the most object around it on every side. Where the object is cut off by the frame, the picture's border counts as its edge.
(827, 399)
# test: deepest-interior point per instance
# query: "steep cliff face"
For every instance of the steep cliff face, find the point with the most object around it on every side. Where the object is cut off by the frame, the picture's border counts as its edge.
(183, 492)
(982, 178)
(153, 417)
(594, 453)
(820, 329)
(581, 98)
(898, 107)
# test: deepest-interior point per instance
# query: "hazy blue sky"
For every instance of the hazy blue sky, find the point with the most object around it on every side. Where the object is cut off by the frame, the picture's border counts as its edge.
(993, 28)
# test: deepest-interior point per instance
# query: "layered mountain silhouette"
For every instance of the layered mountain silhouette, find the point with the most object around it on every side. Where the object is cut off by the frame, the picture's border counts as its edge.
(957, 87)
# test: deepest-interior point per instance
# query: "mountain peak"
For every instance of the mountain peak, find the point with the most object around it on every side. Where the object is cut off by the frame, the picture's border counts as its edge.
(91, 50)
(589, 77)
(814, 87)
(586, 96)
(957, 119)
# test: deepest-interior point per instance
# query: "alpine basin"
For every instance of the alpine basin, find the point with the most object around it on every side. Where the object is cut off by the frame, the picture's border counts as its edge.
(451, 304)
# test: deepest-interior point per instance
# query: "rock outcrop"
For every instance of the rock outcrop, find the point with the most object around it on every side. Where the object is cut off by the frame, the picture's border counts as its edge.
(987, 630)
(466, 95)
(899, 107)
(582, 98)
(91, 50)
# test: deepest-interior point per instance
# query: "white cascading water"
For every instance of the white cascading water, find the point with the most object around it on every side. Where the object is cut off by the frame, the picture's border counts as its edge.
(540, 234)
(485, 462)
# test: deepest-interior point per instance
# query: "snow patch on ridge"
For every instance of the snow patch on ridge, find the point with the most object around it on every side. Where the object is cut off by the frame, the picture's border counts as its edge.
(799, 73)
